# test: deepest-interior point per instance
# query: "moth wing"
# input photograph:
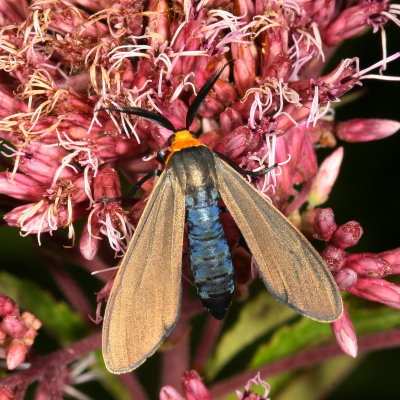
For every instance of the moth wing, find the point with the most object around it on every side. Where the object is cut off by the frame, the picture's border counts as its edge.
(292, 270)
(145, 298)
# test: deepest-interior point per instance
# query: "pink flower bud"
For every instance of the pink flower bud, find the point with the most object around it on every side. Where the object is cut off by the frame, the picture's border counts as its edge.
(15, 354)
(8, 102)
(245, 8)
(339, 81)
(88, 243)
(225, 92)
(194, 387)
(6, 393)
(68, 22)
(158, 21)
(281, 65)
(365, 130)
(244, 68)
(211, 108)
(392, 257)
(29, 337)
(303, 160)
(239, 141)
(344, 333)
(377, 290)
(7, 306)
(334, 257)
(230, 119)
(188, 39)
(176, 113)
(15, 11)
(169, 393)
(210, 138)
(285, 180)
(31, 217)
(41, 162)
(352, 21)
(273, 45)
(31, 321)
(320, 11)
(345, 278)
(369, 265)
(347, 235)
(324, 224)
(111, 148)
(20, 187)
(283, 122)
(13, 326)
(106, 184)
(326, 177)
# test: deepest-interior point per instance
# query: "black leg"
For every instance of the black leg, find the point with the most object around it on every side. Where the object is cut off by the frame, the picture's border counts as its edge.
(139, 183)
(243, 171)
(161, 157)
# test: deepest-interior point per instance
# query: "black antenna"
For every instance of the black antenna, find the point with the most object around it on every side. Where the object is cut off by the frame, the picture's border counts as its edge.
(146, 114)
(203, 92)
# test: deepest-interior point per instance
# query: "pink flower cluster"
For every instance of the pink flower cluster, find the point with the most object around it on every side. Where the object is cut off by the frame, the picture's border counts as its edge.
(359, 274)
(195, 389)
(17, 332)
(65, 61)
(6, 393)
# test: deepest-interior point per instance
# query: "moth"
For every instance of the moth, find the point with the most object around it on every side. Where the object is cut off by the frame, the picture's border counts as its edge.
(144, 302)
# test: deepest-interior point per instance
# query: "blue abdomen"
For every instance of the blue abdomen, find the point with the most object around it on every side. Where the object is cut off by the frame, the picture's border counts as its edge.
(209, 252)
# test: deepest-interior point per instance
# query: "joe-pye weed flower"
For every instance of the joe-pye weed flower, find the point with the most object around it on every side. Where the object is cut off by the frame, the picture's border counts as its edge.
(63, 62)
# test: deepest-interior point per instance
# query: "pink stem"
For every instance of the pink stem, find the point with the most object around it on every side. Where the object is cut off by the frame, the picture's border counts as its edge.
(68, 286)
(175, 361)
(41, 365)
(299, 199)
(206, 346)
(76, 257)
(132, 384)
(366, 343)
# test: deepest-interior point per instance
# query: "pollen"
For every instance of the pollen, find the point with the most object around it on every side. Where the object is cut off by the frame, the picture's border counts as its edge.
(183, 139)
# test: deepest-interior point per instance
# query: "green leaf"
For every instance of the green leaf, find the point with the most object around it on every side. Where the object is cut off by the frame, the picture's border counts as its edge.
(374, 319)
(58, 319)
(257, 317)
(316, 382)
(306, 334)
(291, 338)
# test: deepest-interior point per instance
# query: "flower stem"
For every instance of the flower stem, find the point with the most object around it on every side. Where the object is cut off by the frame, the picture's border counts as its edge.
(206, 345)
(175, 361)
(67, 285)
(42, 364)
(366, 343)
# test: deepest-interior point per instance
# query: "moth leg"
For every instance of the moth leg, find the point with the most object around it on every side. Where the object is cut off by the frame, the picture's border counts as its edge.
(161, 157)
(135, 188)
(243, 171)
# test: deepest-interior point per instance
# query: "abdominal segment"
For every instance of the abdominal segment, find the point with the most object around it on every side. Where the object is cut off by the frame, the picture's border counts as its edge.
(210, 258)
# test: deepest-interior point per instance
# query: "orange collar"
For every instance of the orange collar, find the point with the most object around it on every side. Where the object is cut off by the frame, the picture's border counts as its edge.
(183, 139)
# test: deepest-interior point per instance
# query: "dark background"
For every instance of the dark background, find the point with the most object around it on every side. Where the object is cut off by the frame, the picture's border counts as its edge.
(367, 191)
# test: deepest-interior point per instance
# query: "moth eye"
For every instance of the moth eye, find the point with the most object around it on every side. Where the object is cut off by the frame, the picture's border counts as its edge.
(171, 140)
